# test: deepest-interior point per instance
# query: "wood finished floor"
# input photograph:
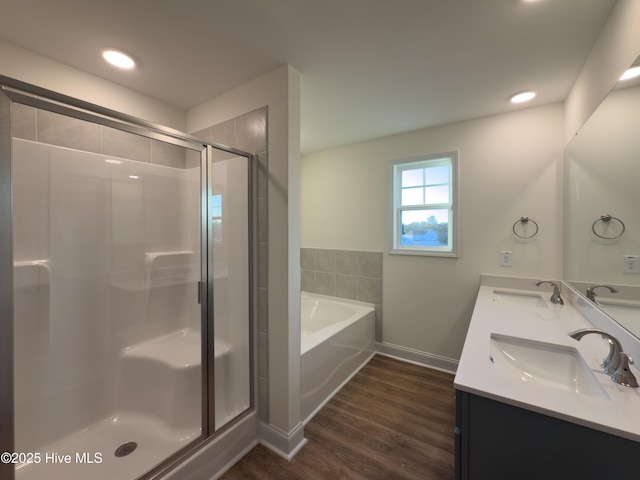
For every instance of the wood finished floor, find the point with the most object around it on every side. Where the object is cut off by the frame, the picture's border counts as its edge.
(393, 420)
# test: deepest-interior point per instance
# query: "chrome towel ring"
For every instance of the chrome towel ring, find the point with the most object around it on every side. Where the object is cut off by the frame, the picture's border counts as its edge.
(524, 221)
(606, 218)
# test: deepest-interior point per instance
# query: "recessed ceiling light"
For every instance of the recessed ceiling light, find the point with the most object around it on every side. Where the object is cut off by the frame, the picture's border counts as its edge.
(118, 58)
(134, 177)
(113, 161)
(632, 72)
(522, 96)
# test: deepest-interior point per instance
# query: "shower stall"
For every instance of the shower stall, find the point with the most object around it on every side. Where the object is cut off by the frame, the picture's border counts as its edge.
(126, 333)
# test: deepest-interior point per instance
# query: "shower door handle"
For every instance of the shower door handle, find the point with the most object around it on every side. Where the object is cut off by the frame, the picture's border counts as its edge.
(199, 292)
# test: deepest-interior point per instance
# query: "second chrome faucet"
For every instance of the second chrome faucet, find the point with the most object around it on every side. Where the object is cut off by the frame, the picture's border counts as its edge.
(591, 294)
(555, 296)
(616, 364)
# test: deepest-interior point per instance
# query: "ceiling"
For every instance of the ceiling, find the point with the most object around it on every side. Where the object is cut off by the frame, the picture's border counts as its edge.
(369, 68)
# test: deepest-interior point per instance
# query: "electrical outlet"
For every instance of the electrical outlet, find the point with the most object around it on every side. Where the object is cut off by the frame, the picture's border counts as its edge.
(505, 258)
(630, 264)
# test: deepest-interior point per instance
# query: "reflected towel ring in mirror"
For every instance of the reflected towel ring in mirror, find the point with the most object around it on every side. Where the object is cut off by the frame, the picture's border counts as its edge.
(524, 221)
(606, 219)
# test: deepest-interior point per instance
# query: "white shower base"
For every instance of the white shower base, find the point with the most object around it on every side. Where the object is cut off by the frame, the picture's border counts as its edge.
(99, 441)
(158, 406)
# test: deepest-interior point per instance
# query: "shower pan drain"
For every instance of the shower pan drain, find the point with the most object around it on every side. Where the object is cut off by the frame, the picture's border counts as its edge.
(125, 449)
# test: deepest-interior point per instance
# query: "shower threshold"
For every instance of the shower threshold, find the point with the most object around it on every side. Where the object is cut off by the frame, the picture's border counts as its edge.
(91, 453)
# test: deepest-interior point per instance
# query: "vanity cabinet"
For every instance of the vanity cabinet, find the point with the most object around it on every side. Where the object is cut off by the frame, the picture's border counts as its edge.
(496, 441)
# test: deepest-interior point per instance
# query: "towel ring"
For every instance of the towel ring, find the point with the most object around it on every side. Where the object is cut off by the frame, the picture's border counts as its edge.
(607, 218)
(525, 220)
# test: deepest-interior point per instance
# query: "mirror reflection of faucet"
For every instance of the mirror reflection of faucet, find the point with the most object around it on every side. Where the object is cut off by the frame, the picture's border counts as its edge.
(591, 294)
(616, 364)
(555, 296)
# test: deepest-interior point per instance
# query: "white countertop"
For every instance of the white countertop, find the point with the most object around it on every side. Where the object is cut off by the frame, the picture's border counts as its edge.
(526, 317)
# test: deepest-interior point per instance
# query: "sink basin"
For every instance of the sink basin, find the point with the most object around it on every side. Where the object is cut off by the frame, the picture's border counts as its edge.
(545, 364)
(519, 298)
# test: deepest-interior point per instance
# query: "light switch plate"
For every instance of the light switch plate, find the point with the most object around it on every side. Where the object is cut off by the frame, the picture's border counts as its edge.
(630, 264)
(505, 258)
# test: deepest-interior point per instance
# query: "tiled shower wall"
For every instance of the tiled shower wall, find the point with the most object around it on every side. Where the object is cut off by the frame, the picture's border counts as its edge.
(248, 132)
(29, 123)
(346, 274)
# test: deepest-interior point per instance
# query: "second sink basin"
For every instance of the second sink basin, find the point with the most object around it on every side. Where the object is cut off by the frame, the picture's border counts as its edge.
(547, 364)
(525, 299)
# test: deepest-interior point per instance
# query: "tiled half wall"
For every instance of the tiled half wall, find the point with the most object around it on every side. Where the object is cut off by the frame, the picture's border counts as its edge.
(346, 274)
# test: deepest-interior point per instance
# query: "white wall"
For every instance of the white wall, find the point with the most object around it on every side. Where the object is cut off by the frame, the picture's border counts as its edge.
(510, 166)
(27, 66)
(614, 51)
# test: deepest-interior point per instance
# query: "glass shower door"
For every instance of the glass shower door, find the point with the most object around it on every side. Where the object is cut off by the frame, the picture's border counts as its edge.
(107, 323)
(230, 232)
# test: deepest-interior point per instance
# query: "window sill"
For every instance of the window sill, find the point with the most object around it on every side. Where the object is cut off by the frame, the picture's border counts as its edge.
(423, 253)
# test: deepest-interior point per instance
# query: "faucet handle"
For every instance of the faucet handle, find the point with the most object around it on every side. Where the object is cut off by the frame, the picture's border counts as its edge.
(623, 375)
(611, 363)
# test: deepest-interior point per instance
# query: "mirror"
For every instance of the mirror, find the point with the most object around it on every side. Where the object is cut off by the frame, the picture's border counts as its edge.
(602, 194)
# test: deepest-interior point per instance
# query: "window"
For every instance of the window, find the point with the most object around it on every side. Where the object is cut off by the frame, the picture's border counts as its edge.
(216, 217)
(425, 205)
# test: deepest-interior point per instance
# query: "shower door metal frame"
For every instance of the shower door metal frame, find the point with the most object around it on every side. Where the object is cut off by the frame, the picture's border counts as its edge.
(6, 289)
(252, 275)
(16, 91)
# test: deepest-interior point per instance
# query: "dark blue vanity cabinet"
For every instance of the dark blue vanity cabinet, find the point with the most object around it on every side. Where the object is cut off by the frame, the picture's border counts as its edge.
(496, 441)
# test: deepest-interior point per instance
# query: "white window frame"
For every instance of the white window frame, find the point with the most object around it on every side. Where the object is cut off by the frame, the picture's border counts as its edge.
(397, 167)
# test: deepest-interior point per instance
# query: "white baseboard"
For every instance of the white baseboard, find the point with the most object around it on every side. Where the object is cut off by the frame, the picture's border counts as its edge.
(283, 444)
(430, 360)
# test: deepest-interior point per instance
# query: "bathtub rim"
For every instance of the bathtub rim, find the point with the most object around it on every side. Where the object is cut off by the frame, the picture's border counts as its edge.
(337, 299)
(310, 342)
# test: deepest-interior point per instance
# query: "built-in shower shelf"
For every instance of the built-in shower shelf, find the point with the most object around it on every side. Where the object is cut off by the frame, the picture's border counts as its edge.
(31, 273)
(140, 285)
(170, 264)
(31, 263)
(179, 349)
(153, 255)
(169, 269)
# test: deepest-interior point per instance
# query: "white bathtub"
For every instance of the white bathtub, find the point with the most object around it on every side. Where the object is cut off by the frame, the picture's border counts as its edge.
(337, 340)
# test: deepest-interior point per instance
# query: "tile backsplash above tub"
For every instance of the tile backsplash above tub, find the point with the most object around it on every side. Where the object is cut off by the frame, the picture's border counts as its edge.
(342, 273)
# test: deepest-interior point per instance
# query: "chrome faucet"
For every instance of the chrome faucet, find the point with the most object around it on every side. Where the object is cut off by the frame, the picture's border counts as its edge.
(623, 374)
(591, 294)
(611, 361)
(555, 296)
(616, 364)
